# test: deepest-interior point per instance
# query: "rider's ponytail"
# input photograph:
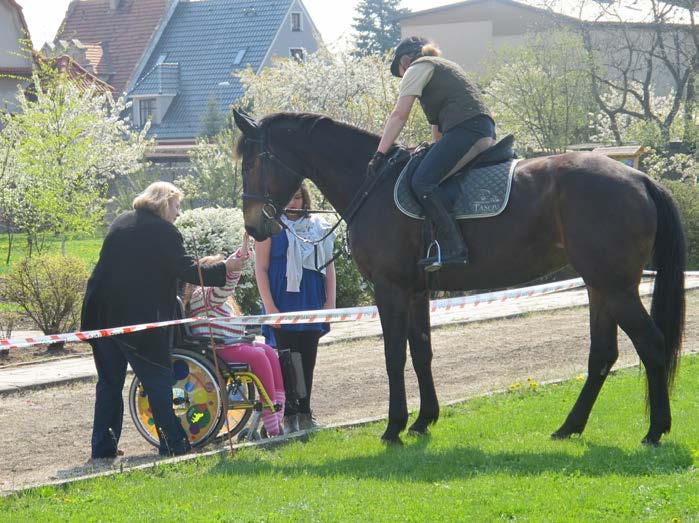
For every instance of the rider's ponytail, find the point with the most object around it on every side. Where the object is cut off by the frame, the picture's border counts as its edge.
(430, 50)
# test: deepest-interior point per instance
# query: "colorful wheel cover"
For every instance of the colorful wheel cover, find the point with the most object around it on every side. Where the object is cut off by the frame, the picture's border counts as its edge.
(196, 400)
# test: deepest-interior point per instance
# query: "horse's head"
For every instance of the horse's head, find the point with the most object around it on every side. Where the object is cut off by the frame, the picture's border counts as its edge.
(271, 174)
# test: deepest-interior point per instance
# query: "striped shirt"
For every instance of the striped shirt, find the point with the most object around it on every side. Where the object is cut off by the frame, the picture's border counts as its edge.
(217, 300)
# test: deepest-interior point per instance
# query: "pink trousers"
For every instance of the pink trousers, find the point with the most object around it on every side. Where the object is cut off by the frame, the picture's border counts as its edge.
(264, 363)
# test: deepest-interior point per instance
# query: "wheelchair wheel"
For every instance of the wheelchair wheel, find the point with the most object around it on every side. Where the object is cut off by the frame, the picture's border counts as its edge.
(237, 417)
(197, 400)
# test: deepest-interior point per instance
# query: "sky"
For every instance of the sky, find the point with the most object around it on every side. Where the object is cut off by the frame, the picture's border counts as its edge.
(333, 18)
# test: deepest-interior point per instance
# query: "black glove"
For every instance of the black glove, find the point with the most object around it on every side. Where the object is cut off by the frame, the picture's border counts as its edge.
(376, 163)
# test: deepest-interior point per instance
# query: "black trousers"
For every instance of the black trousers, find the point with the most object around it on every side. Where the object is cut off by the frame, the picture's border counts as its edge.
(305, 343)
(111, 357)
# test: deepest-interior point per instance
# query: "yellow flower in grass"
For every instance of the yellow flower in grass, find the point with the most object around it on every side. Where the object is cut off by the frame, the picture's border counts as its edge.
(515, 386)
(579, 377)
(532, 384)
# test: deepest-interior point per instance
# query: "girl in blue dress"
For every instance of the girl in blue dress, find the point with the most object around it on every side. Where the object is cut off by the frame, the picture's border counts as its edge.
(285, 269)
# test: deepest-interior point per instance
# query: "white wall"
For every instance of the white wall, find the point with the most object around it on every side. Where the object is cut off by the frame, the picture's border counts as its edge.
(10, 33)
(286, 38)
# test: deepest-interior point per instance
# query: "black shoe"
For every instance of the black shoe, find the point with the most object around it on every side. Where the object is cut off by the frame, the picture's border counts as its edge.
(178, 449)
(454, 252)
(433, 264)
(307, 421)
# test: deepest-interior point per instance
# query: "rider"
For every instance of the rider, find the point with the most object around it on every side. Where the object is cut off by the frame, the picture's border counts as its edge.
(461, 129)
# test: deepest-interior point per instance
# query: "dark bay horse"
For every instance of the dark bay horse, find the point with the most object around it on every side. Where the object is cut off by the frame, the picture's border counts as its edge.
(605, 219)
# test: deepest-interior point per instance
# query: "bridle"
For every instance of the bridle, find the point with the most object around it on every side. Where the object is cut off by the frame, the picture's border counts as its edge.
(273, 210)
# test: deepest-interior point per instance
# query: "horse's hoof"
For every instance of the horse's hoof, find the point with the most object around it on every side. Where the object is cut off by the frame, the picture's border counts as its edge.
(651, 440)
(392, 442)
(418, 429)
(564, 434)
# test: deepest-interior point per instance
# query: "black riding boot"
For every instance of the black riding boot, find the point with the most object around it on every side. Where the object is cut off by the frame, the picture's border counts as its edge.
(453, 249)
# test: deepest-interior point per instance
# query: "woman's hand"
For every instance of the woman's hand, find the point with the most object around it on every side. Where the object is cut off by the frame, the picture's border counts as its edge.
(272, 309)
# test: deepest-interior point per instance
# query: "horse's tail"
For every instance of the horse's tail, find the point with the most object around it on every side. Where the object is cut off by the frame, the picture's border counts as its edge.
(669, 257)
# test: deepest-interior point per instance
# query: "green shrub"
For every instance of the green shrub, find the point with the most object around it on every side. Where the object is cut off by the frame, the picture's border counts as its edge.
(210, 231)
(49, 288)
(353, 290)
(686, 195)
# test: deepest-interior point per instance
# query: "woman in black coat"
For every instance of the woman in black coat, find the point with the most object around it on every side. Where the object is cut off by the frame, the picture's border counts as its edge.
(135, 281)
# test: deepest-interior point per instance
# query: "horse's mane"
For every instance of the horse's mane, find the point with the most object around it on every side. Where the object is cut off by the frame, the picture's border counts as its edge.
(308, 124)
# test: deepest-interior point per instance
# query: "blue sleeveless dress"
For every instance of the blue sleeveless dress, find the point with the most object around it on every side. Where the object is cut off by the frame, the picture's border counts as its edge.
(311, 296)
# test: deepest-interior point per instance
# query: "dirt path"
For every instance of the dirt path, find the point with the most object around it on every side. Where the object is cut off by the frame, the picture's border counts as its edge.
(47, 432)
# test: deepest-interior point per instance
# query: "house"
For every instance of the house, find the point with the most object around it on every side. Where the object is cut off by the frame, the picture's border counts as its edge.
(108, 37)
(65, 65)
(15, 62)
(191, 64)
(467, 31)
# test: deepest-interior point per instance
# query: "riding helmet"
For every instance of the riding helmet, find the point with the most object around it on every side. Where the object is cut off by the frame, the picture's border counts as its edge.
(409, 45)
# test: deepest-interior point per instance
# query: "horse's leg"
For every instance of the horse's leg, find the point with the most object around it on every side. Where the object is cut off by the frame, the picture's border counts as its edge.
(603, 354)
(393, 302)
(421, 354)
(649, 342)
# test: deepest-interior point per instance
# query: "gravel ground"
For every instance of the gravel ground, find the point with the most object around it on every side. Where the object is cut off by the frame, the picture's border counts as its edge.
(47, 432)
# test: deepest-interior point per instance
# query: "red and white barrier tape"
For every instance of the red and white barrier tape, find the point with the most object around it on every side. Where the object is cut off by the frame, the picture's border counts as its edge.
(319, 316)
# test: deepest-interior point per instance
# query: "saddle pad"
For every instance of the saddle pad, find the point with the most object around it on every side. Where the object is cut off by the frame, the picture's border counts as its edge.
(480, 193)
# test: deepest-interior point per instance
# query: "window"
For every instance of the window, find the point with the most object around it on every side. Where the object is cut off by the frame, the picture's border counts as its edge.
(297, 53)
(239, 57)
(296, 22)
(161, 59)
(146, 110)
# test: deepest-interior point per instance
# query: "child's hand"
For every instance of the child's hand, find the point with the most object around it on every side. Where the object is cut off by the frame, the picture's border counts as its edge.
(244, 247)
(243, 251)
(234, 263)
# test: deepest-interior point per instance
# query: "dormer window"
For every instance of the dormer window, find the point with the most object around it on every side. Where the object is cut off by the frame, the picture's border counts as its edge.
(297, 53)
(239, 57)
(296, 24)
(146, 110)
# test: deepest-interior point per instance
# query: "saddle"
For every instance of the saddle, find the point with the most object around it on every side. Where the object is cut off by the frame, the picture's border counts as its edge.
(480, 190)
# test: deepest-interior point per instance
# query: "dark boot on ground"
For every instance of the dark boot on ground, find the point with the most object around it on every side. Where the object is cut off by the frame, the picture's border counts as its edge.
(307, 421)
(453, 248)
(290, 424)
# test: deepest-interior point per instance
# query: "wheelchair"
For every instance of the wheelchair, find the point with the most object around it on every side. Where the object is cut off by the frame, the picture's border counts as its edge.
(199, 401)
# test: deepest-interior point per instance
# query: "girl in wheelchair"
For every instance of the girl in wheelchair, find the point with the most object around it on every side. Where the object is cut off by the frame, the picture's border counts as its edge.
(262, 359)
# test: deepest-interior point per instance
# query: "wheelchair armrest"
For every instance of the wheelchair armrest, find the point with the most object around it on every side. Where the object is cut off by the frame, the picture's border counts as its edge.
(202, 340)
(238, 367)
(246, 339)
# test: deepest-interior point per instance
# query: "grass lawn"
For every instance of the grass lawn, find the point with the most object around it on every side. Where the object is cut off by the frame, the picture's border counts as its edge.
(487, 460)
(86, 248)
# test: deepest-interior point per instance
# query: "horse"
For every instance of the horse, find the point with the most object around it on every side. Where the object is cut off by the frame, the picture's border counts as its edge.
(605, 219)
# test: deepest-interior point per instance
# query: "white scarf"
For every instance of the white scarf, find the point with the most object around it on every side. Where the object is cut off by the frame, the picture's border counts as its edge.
(301, 255)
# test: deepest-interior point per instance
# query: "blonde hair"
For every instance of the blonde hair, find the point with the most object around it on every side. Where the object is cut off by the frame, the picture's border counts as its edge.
(156, 197)
(430, 50)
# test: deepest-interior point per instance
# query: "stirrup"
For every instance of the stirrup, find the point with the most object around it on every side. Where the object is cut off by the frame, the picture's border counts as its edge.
(432, 263)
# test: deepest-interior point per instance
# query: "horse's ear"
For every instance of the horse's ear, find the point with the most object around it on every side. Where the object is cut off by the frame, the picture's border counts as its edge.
(246, 123)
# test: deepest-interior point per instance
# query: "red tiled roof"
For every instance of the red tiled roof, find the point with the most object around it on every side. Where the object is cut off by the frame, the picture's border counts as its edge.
(121, 34)
(65, 64)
